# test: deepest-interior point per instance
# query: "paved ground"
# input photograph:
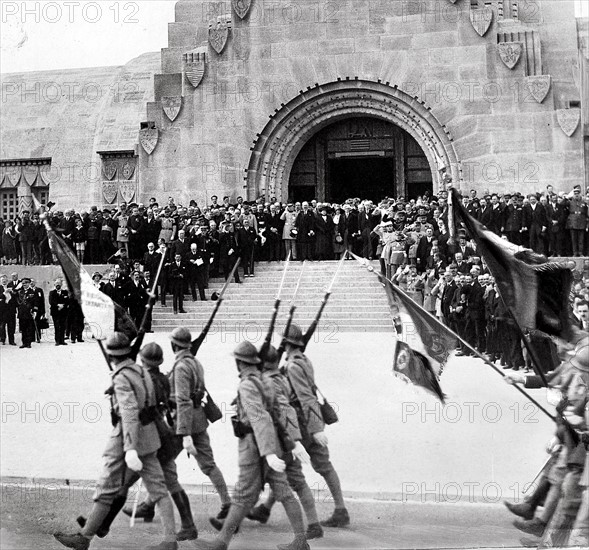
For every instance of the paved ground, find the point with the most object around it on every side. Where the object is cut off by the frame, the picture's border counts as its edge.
(392, 442)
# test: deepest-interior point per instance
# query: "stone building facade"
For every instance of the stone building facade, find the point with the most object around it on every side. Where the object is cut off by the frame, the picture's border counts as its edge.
(319, 98)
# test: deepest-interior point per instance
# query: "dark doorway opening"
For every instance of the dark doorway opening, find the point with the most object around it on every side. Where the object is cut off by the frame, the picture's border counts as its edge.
(370, 178)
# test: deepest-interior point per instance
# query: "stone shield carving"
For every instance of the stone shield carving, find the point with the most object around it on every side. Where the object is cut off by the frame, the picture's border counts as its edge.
(568, 119)
(127, 190)
(128, 170)
(110, 170)
(481, 19)
(109, 191)
(148, 137)
(195, 66)
(539, 86)
(241, 7)
(172, 106)
(510, 52)
(219, 33)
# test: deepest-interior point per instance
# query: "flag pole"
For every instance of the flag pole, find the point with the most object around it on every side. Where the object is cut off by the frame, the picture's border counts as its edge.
(464, 342)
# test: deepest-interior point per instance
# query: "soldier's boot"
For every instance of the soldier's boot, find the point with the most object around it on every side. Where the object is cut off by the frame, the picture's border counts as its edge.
(81, 541)
(188, 531)
(165, 510)
(532, 527)
(340, 518)
(299, 543)
(218, 481)
(218, 523)
(259, 513)
(229, 527)
(314, 531)
(115, 508)
(77, 541)
(145, 511)
(527, 508)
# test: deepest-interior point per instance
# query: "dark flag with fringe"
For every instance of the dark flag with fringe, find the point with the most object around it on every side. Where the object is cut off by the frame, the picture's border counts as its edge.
(423, 345)
(102, 314)
(535, 290)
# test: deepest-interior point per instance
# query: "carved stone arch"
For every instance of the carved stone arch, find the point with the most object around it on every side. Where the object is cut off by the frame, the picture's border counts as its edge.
(291, 126)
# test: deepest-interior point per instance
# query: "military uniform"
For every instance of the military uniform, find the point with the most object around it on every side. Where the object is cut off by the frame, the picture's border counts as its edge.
(133, 443)
(26, 316)
(258, 440)
(301, 376)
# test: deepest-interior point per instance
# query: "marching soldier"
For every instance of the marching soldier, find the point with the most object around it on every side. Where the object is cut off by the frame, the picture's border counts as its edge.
(257, 440)
(133, 445)
(294, 470)
(301, 377)
(187, 386)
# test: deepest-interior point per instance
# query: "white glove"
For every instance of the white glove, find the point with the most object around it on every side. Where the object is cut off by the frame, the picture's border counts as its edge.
(132, 460)
(553, 446)
(573, 419)
(300, 453)
(321, 438)
(513, 379)
(189, 445)
(553, 396)
(275, 463)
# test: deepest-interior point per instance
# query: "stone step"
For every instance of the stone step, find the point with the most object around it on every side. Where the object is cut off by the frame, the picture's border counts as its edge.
(248, 331)
(258, 316)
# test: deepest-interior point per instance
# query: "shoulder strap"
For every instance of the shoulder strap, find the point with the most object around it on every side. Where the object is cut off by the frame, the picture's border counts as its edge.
(146, 404)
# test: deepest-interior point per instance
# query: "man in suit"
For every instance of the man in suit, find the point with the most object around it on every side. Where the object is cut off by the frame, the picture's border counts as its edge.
(8, 307)
(181, 245)
(474, 329)
(274, 224)
(447, 296)
(151, 259)
(535, 222)
(196, 271)
(351, 227)
(58, 307)
(461, 266)
(40, 310)
(177, 277)
(424, 249)
(136, 298)
(512, 220)
(305, 225)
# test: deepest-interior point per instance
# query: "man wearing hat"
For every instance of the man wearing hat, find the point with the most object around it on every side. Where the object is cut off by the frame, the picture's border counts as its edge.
(577, 221)
(301, 376)
(187, 391)
(254, 427)
(133, 445)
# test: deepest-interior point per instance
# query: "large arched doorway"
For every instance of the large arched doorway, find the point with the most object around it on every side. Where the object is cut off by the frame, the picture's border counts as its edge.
(292, 126)
(360, 157)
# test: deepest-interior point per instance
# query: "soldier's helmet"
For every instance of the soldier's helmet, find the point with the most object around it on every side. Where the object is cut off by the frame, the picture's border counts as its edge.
(181, 337)
(118, 344)
(271, 359)
(247, 353)
(152, 355)
(294, 336)
(580, 359)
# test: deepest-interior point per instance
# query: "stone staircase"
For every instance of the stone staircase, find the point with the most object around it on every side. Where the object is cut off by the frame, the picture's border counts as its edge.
(358, 302)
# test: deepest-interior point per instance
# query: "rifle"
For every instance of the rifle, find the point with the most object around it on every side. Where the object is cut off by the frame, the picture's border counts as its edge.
(198, 341)
(148, 308)
(291, 313)
(311, 330)
(268, 340)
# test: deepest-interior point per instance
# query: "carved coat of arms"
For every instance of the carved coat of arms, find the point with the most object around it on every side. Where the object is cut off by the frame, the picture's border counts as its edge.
(568, 119)
(481, 19)
(110, 170)
(148, 137)
(195, 66)
(510, 52)
(128, 170)
(127, 190)
(539, 86)
(109, 191)
(172, 106)
(219, 33)
(241, 7)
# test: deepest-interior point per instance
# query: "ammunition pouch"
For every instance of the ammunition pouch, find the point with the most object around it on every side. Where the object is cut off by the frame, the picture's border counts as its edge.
(240, 430)
(197, 398)
(148, 415)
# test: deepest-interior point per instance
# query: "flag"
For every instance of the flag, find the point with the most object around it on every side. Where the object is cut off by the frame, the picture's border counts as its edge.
(102, 314)
(423, 345)
(535, 291)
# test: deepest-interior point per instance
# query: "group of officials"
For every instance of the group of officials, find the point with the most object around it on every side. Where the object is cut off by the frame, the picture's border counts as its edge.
(278, 421)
